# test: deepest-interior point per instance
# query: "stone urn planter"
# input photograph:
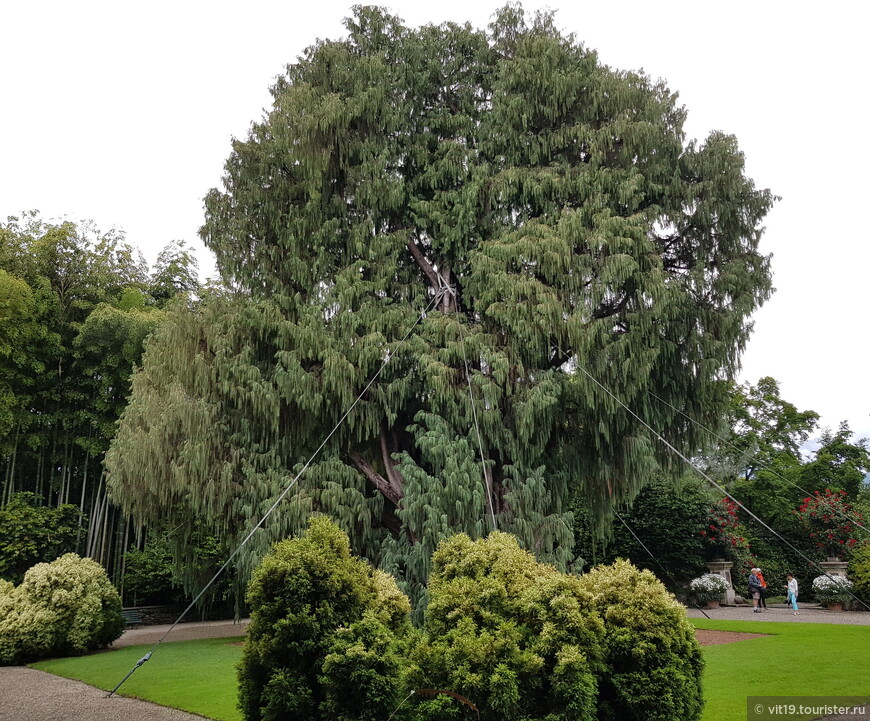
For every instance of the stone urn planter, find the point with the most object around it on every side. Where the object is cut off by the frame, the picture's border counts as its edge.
(712, 604)
(835, 606)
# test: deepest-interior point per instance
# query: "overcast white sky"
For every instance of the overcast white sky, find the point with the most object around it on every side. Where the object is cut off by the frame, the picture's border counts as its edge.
(123, 112)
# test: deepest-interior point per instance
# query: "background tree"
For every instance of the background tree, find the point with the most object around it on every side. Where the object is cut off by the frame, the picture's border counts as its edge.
(31, 533)
(548, 211)
(764, 429)
(841, 462)
(175, 271)
(670, 518)
(74, 315)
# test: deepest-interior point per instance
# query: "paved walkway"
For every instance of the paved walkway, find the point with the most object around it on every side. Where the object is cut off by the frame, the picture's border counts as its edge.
(182, 632)
(781, 613)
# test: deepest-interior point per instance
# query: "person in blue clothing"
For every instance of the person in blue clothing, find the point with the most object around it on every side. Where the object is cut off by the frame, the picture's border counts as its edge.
(755, 589)
(793, 593)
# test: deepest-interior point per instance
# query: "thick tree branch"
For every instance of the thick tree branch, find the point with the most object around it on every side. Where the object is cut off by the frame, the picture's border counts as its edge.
(393, 476)
(607, 310)
(438, 279)
(424, 263)
(379, 482)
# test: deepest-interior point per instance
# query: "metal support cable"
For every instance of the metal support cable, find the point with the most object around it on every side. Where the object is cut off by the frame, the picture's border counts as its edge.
(713, 483)
(643, 545)
(837, 511)
(283, 494)
(486, 481)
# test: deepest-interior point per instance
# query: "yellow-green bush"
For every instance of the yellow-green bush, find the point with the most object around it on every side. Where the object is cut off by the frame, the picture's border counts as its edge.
(859, 572)
(323, 633)
(516, 637)
(62, 608)
(330, 638)
(653, 663)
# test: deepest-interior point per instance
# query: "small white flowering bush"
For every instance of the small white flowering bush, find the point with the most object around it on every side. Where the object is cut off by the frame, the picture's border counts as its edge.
(709, 587)
(831, 589)
(62, 608)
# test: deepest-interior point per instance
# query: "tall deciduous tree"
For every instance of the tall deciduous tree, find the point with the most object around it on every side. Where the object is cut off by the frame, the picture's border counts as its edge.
(174, 272)
(549, 212)
(764, 428)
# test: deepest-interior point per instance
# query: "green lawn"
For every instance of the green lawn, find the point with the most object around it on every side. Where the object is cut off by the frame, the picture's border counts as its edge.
(196, 676)
(797, 659)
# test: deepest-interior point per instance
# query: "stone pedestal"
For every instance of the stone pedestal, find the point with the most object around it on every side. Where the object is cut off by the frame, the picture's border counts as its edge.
(721, 567)
(835, 567)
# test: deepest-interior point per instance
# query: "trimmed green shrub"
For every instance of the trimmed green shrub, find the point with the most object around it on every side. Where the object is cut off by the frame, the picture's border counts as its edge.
(516, 637)
(322, 643)
(653, 664)
(859, 572)
(669, 517)
(330, 638)
(62, 608)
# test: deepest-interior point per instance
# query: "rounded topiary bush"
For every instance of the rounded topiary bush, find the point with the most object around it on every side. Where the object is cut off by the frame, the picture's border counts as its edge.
(516, 637)
(653, 663)
(62, 608)
(324, 633)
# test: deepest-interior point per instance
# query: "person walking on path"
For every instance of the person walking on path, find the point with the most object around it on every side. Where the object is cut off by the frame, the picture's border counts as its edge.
(762, 603)
(755, 589)
(793, 593)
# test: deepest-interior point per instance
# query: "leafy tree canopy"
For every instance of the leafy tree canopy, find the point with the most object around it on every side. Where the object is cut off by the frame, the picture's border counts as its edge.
(764, 429)
(551, 215)
(31, 533)
(174, 272)
(841, 462)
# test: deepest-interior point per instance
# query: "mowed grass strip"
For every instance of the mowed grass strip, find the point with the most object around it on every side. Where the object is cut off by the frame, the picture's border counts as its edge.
(796, 659)
(195, 676)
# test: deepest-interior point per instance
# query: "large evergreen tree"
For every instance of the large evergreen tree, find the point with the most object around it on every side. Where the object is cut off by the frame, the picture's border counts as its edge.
(549, 212)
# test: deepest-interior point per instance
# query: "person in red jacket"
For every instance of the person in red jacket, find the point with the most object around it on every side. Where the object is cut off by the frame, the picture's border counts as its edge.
(761, 602)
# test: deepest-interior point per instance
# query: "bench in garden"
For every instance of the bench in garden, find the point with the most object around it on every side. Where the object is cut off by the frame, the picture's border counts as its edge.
(132, 617)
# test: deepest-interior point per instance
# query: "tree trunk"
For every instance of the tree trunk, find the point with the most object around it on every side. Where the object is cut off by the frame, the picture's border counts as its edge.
(82, 501)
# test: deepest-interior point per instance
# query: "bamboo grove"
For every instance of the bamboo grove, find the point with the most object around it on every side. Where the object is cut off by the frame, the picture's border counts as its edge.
(76, 306)
(552, 215)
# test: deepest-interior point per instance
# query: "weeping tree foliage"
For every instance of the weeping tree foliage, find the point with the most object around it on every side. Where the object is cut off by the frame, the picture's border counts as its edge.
(552, 219)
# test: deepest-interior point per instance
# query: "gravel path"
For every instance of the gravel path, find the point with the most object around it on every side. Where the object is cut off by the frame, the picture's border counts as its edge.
(182, 632)
(30, 695)
(782, 613)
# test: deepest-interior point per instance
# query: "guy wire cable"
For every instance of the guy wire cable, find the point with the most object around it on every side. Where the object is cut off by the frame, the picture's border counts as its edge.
(486, 483)
(837, 511)
(716, 485)
(636, 538)
(283, 494)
